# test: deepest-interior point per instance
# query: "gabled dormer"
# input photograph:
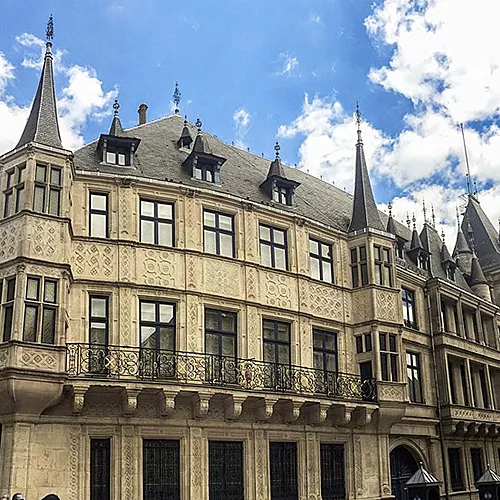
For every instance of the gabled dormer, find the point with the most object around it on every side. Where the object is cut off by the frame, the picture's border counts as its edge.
(417, 252)
(201, 163)
(392, 228)
(185, 140)
(277, 186)
(447, 261)
(115, 148)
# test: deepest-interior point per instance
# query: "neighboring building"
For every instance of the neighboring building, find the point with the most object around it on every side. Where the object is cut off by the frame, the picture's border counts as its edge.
(182, 319)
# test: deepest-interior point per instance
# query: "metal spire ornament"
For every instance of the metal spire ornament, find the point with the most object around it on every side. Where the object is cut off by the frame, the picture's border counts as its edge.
(414, 222)
(442, 235)
(176, 98)
(408, 220)
(277, 148)
(198, 124)
(390, 209)
(358, 121)
(433, 216)
(116, 107)
(424, 209)
(49, 32)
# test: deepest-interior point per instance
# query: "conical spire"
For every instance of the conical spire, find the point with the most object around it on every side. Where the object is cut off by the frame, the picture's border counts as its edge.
(185, 139)
(476, 274)
(416, 242)
(42, 125)
(116, 128)
(276, 168)
(365, 213)
(391, 225)
(445, 254)
(200, 143)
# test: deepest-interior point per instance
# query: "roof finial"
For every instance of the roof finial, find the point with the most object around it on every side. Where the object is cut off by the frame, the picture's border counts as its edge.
(458, 217)
(442, 235)
(414, 222)
(198, 124)
(176, 98)
(433, 216)
(424, 209)
(466, 161)
(49, 32)
(185, 119)
(277, 148)
(390, 209)
(475, 188)
(116, 107)
(358, 121)
(408, 221)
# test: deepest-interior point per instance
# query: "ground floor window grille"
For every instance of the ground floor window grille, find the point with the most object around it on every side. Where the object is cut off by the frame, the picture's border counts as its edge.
(225, 470)
(100, 469)
(283, 469)
(332, 472)
(161, 469)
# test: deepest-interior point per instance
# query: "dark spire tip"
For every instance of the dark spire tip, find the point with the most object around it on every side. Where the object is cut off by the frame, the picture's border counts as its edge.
(176, 98)
(277, 148)
(198, 124)
(116, 107)
(49, 31)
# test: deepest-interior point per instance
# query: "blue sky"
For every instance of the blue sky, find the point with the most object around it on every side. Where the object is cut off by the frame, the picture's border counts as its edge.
(257, 71)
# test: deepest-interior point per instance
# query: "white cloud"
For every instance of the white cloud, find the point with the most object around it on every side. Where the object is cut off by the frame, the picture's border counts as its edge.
(241, 120)
(314, 18)
(289, 64)
(82, 98)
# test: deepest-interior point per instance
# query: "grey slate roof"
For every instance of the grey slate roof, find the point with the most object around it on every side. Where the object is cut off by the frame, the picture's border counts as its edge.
(489, 477)
(422, 478)
(485, 242)
(416, 243)
(42, 125)
(116, 128)
(461, 246)
(201, 144)
(365, 212)
(159, 157)
(476, 273)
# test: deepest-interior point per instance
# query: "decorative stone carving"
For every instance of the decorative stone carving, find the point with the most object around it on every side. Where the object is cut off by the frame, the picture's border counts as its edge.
(128, 459)
(79, 392)
(319, 413)
(3, 358)
(266, 410)
(251, 283)
(159, 268)
(293, 411)
(260, 464)
(192, 323)
(221, 278)
(94, 259)
(10, 236)
(386, 305)
(201, 404)
(196, 463)
(37, 359)
(324, 301)
(234, 407)
(358, 470)
(74, 451)
(130, 401)
(362, 305)
(342, 415)
(191, 268)
(43, 236)
(167, 402)
(278, 290)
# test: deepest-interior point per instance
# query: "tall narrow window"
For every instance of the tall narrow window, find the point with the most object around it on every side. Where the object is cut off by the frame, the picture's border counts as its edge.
(99, 215)
(47, 194)
(457, 483)
(100, 469)
(383, 266)
(225, 464)
(273, 247)
(325, 361)
(220, 344)
(218, 233)
(283, 471)
(359, 266)
(277, 371)
(14, 191)
(332, 472)
(40, 310)
(8, 307)
(161, 478)
(157, 223)
(389, 356)
(98, 333)
(320, 261)
(409, 314)
(476, 458)
(414, 377)
(157, 324)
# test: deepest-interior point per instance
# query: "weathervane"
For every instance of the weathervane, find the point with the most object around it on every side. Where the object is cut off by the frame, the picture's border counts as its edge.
(433, 216)
(277, 149)
(49, 32)
(424, 209)
(176, 98)
(116, 107)
(390, 209)
(414, 222)
(358, 121)
(408, 221)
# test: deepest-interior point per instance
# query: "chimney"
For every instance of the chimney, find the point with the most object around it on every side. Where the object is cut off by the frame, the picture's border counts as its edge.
(142, 113)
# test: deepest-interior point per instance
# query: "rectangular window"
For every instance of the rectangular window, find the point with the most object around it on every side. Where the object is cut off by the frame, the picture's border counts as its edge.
(204, 172)
(320, 261)
(100, 469)
(161, 478)
(457, 483)
(283, 471)
(8, 307)
(414, 377)
(225, 465)
(218, 233)
(221, 345)
(273, 247)
(47, 191)
(117, 156)
(325, 361)
(277, 358)
(157, 327)
(444, 316)
(14, 191)
(409, 314)
(389, 356)
(332, 472)
(383, 265)
(98, 333)
(98, 215)
(476, 458)
(157, 223)
(282, 194)
(40, 310)
(359, 266)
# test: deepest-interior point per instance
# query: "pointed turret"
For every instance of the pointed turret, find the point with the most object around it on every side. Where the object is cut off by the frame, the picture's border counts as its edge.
(200, 142)
(416, 242)
(462, 251)
(418, 252)
(185, 140)
(477, 280)
(393, 229)
(42, 125)
(365, 213)
(116, 128)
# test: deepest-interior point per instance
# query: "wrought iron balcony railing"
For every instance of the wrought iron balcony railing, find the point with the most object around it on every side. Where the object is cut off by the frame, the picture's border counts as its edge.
(136, 363)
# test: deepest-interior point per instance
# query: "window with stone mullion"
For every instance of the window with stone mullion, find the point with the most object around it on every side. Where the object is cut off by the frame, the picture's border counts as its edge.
(218, 233)
(157, 222)
(13, 192)
(47, 193)
(320, 260)
(8, 306)
(414, 377)
(273, 247)
(409, 313)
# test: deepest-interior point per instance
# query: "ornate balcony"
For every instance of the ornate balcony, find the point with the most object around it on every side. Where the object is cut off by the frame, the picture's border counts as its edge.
(131, 364)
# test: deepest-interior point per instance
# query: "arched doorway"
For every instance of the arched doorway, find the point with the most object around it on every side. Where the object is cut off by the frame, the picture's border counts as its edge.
(403, 466)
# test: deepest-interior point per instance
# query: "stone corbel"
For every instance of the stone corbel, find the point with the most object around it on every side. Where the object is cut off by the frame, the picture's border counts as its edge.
(79, 392)
(234, 407)
(266, 410)
(342, 415)
(320, 413)
(472, 429)
(293, 411)
(492, 431)
(362, 416)
(201, 404)
(130, 401)
(166, 402)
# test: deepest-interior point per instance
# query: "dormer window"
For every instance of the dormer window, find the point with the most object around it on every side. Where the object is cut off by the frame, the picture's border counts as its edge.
(117, 150)
(422, 262)
(282, 194)
(204, 172)
(450, 273)
(117, 157)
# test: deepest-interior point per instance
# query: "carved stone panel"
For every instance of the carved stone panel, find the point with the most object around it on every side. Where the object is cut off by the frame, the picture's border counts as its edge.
(94, 260)
(322, 300)
(222, 278)
(11, 237)
(280, 290)
(387, 305)
(160, 267)
(45, 238)
(362, 304)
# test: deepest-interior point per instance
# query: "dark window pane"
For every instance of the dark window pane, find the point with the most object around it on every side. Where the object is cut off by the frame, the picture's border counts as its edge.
(30, 323)
(161, 469)
(100, 469)
(55, 176)
(359, 344)
(48, 325)
(33, 288)
(40, 173)
(39, 199)
(7, 323)
(11, 289)
(54, 196)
